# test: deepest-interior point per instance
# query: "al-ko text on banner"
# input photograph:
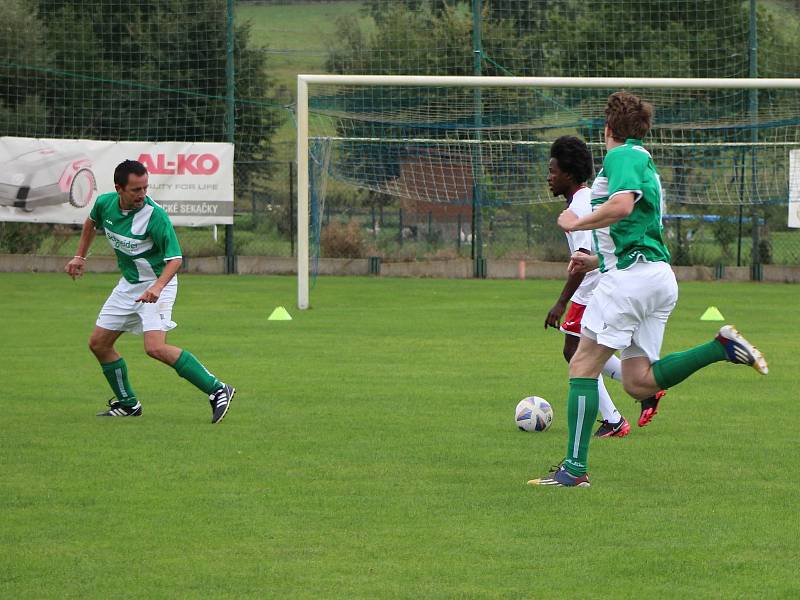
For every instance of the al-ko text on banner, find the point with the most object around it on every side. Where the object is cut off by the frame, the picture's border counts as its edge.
(57, 181)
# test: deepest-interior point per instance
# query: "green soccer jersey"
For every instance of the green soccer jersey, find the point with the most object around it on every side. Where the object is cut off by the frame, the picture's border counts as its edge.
(144, 240)
(639, 236)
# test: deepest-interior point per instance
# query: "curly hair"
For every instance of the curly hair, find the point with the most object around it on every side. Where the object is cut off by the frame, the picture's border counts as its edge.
(573, 157)
(628, 116)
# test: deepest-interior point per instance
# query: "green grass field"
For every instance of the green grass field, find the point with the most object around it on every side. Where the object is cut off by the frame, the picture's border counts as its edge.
(370, 451)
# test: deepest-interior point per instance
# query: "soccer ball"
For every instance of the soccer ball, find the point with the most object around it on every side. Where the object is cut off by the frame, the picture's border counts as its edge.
(533, 414)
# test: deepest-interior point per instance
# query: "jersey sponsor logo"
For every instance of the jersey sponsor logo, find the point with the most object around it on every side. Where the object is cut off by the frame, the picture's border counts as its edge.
(183, 164)
(126, 245)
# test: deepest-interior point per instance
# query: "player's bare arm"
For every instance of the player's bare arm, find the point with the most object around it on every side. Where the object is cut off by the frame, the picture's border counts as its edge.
(153, 293)
(74, 268)
(573, 282)
(614, 209)
(581, 262)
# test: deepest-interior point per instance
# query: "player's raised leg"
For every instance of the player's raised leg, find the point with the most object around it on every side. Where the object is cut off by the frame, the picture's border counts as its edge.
(649, 406)
(729, 345)
(192, 370)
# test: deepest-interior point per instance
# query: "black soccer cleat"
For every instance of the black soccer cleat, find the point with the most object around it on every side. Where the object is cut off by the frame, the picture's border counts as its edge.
(116, 409)
(619, 429)
(221, 402)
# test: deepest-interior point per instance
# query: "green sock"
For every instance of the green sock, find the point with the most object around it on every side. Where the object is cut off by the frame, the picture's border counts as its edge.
(675, 367)
(584, 399)
(195, 373)
(117, 375)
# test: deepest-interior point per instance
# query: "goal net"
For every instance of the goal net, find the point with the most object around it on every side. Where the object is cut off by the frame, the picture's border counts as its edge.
(478, 141)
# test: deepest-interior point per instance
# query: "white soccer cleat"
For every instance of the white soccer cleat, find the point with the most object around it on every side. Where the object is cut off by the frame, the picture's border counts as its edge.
(740, 351)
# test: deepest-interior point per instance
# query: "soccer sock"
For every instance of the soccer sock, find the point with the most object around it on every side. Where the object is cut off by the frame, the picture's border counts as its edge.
(195, 373)
(675, 367)
(581, 413)
(117, 375)
(608, 411)
(613, 367)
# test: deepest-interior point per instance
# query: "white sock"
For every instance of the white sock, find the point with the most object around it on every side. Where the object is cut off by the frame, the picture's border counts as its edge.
(613, 368)
(607, 408)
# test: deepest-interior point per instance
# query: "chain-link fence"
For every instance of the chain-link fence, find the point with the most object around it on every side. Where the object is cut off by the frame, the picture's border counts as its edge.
(159, 71)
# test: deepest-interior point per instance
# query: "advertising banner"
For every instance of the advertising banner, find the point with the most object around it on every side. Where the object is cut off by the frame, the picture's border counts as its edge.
(57, 181)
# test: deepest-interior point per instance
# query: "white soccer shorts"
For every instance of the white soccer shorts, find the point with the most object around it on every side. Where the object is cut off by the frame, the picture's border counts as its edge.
(630, 308)
(121, 312)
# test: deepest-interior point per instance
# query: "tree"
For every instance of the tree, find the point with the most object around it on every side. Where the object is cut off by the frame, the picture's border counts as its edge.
(633, 38)
(22, 61)
(379, 9)
(150, 70)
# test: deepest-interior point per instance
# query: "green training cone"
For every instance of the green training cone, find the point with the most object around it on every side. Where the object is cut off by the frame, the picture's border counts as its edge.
(280, 314)
(712, 314)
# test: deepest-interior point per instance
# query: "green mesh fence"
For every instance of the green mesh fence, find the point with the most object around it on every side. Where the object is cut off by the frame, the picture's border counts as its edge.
(619, 38)
(443, 146)
(101, 69)
(436, 144)
(156, 70)
(142, 71)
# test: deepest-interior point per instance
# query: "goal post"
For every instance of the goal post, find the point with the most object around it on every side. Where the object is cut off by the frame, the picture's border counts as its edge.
(709, 134)
(302, 193)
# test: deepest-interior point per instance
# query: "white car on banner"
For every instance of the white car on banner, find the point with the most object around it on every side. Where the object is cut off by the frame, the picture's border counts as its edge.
(47, 177)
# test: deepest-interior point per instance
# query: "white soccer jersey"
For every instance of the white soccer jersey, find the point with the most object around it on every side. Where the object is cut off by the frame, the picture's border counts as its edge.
(581, 205)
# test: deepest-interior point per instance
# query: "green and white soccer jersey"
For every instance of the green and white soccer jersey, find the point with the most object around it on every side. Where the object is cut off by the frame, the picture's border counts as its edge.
(143, 240)
(639, 236)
